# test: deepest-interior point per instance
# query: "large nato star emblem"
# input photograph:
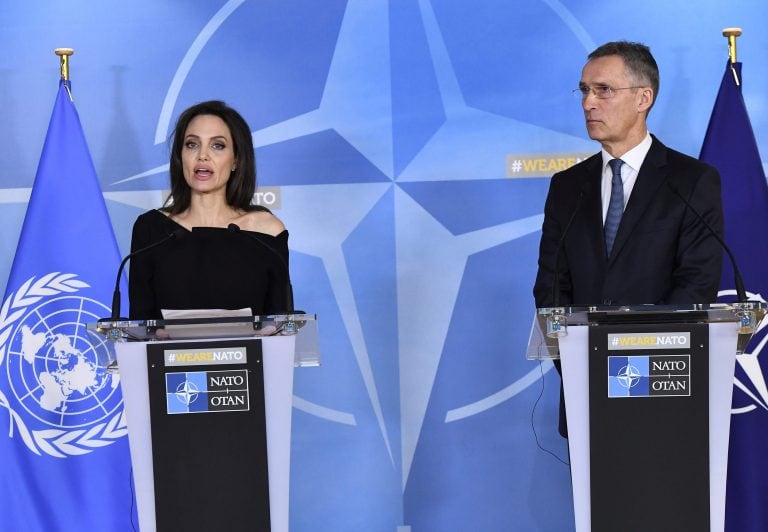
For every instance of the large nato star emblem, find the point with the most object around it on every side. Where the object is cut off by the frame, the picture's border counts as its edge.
(324, 213)
(628, 376)
(753, 384)
(187, 392)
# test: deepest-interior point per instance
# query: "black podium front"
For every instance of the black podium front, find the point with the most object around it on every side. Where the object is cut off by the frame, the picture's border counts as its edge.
(648, 395)
(209, 443)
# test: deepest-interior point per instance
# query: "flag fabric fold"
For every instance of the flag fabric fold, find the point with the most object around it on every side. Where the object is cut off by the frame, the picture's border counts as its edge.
(730, 146)
(64, 460)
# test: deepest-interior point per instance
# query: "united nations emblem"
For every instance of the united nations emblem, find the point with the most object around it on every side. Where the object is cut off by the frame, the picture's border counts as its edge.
(53, 377)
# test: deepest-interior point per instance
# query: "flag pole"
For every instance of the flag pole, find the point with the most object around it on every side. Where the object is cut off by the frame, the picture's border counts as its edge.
(64, 54)
(731, 34)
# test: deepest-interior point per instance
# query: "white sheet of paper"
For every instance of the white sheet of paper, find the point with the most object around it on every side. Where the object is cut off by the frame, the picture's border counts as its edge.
(206, 331)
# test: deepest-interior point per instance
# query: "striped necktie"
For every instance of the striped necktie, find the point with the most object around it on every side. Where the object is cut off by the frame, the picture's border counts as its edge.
(615, 206)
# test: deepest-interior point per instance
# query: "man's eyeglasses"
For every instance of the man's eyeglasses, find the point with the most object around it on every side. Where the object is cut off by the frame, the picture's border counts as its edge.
(602, 92)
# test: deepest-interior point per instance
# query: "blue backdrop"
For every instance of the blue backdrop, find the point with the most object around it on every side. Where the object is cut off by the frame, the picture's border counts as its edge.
(406, 145)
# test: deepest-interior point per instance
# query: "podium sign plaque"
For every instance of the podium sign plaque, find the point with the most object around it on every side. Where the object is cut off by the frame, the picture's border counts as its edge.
(209, 447)
(648, 427)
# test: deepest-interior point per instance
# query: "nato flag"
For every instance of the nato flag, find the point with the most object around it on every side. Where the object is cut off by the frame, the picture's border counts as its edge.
(730, 146)
(64, 460)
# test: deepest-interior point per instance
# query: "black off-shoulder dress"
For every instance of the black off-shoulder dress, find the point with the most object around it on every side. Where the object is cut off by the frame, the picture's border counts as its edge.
(206, 267)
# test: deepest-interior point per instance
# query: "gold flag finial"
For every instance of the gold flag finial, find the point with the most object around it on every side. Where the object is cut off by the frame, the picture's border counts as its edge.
(732, 33)
(64, 54)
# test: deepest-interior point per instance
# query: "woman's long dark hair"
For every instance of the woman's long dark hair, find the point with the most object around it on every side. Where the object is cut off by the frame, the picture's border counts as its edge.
(242, 183)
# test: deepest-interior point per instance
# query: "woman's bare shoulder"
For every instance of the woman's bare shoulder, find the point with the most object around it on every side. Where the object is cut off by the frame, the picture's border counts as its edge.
(261, 222)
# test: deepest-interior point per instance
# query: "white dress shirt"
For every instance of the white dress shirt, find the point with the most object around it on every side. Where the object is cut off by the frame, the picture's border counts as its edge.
(633, 160)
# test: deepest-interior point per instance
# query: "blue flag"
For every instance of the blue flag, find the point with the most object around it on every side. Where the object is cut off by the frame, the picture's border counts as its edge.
(730, 146)
(64, 460)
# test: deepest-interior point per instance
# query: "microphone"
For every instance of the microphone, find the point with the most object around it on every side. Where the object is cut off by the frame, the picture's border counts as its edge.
(288, 288)
(556, 277)
(116, 294)
(741, 293)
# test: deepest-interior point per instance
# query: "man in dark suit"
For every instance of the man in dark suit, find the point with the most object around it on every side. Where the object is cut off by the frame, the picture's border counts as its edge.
(630, 239)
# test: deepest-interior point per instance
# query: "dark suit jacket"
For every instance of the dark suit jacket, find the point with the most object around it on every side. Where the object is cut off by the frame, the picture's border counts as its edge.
(663, 254)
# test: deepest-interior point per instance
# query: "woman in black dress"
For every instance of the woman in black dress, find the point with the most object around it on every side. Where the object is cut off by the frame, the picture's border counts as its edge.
(227, 253)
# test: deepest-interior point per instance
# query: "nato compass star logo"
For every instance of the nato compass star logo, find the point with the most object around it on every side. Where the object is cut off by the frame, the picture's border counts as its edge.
(628, 376)
(750, 386)
(391, 221)
(187, 392)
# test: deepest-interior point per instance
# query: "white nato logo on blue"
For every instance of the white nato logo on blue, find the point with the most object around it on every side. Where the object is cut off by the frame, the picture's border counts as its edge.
(186, 392)
(628, 376)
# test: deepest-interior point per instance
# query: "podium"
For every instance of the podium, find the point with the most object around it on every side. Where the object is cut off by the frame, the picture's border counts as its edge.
(648, 398)
(208, 404)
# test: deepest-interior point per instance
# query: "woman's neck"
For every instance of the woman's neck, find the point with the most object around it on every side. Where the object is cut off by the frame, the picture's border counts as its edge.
(208, 211)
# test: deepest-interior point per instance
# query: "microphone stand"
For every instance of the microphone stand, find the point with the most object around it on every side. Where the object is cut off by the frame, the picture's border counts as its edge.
(743, 308)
